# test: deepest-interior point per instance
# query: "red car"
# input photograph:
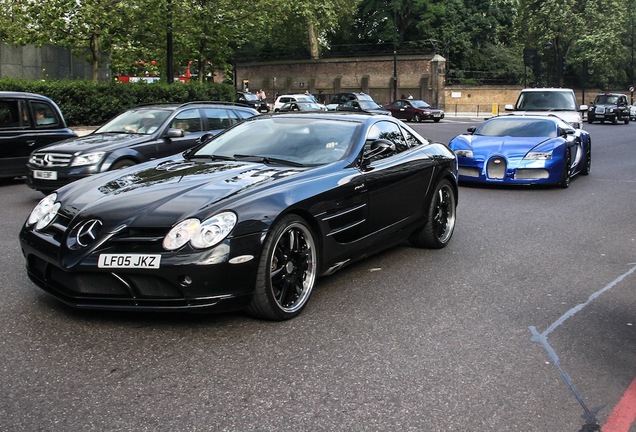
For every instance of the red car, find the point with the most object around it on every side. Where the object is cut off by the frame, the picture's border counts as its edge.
(414, 110)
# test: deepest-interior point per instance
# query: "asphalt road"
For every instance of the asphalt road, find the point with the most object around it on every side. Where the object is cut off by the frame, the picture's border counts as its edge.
(525, 322)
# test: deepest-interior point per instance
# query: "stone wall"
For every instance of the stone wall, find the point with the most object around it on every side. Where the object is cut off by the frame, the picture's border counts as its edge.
(33, 63)
(422, 76)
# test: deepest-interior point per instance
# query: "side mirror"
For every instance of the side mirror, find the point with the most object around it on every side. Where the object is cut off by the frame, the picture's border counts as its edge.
(471, 129)
(583, 108)
(379, 147)
(175, 133)
(508, 107)
(204, 138)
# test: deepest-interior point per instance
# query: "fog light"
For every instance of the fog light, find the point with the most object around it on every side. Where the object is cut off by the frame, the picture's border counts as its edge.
(185, 281)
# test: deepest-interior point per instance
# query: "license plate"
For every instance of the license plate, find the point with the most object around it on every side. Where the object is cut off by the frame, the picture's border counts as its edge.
(45, 175)
(437, 115)
(142, 261)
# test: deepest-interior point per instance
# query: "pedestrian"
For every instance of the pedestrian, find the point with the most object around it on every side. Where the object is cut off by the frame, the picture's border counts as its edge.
(410, 96)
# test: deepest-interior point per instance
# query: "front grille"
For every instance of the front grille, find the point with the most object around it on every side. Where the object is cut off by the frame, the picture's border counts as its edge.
(599, 110)
(496, 168)
(44, 159)
(531, 174)
(468, 172)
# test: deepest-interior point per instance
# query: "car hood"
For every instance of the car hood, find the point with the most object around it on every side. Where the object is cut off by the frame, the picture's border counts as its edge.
(159, 194)
(511, 147)
(102, 141)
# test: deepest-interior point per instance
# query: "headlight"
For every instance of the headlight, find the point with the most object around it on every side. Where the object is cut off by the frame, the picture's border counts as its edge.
(464, 153)
(201, 235)
(44, 212)
(87, 159)
(538, 156)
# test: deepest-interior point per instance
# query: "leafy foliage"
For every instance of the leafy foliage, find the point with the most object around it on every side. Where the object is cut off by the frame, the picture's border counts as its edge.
(481, 39)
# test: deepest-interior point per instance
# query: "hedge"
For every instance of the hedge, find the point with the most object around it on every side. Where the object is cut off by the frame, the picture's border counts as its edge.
(87, 103)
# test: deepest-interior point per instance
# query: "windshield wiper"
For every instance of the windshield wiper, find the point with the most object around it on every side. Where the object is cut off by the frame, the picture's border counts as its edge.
(267, 160)
(211, 157)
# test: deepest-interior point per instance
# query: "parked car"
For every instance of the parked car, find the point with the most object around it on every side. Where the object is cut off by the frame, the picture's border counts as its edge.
(252, 101)
(27, 122)
(414, 110)
(340, 98)
(365, 106)
(548, 101)
(248, 220)
(283, 99)
(302, 107)
(137, 135)
(523, 150)
(611, 107)
(632, 112)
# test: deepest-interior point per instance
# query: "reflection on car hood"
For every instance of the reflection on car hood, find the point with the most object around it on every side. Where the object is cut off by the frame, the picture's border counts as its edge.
(107, 142)
(484, 146)
(156, 194)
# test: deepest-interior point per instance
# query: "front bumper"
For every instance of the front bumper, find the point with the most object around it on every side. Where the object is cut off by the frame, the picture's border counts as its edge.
(195, 281)
(498, 170)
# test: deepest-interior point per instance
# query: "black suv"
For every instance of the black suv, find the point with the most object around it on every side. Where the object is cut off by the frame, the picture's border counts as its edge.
(137, 135)
(612, 107)
(252, 101)
(27, 122)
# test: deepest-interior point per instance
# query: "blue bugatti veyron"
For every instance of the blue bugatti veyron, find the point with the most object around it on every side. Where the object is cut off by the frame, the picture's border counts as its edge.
(523, 150)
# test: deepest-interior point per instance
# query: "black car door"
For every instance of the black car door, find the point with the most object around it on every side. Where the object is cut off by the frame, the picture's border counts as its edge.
(397, 182)
(21, 132)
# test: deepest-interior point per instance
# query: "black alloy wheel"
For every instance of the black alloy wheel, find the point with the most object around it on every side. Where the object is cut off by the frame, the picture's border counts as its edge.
(287, 271)
(417, 118)
(441, 218)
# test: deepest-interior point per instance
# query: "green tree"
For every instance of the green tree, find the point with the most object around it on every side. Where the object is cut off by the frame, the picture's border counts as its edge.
(574, 30)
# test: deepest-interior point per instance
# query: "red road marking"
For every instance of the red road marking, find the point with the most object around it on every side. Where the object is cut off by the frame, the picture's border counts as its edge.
(624, 412)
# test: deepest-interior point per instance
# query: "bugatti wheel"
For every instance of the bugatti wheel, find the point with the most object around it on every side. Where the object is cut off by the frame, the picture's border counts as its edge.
(565, 175)
(588, 161)
(287, 271)
(441, 219)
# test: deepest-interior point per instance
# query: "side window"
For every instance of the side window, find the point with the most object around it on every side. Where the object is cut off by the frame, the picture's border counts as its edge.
(219, 118)
(389, 131)
(242, 115)
(189, 121)
(44, 114)
(9, 114)
(411, 141)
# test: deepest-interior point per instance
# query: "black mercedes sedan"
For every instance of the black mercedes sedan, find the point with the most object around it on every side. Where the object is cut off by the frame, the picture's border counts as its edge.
(247, 220)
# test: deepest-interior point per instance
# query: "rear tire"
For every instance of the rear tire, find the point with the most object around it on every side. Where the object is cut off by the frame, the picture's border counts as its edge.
(588, 161)
(287, 271)
(417, 118)
(441, 218)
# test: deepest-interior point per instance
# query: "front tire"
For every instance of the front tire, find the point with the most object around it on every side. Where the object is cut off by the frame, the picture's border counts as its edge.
(287, 271)
(441, 218)
(417, 118)
(588, 160)
(565, 175)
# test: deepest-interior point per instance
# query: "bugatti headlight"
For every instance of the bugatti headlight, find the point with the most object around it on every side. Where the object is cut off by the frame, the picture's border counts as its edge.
(44, 212)
(464, 153)
(87, 159)
(199, 234)
(537, 155)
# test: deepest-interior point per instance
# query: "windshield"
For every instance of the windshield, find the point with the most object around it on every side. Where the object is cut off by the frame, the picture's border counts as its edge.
(299, 140)
(517, 128)
(420, 104)
(547, 101)
(141, 121)
(368, 104)
(606, 100)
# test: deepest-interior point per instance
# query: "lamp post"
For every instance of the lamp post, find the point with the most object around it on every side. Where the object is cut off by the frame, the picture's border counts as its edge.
(548, 47)
(395, 33)
(169, 52)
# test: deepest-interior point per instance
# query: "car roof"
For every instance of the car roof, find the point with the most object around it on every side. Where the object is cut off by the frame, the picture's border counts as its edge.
(174, 106)
(22, 95)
